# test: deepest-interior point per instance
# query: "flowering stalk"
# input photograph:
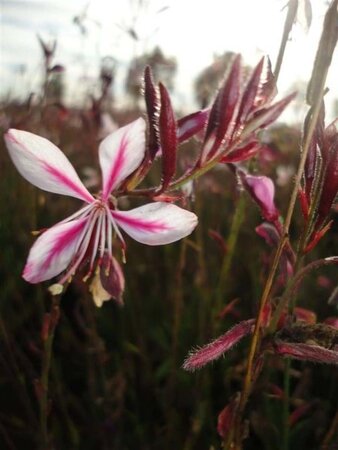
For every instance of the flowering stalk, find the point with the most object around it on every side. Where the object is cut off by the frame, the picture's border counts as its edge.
(256, 339)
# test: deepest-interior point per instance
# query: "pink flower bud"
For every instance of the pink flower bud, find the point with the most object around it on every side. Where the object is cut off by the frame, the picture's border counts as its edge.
(306, 352)
(112, 278)
(226, 418)
(212, 351)
(262, 191)
(332, 321)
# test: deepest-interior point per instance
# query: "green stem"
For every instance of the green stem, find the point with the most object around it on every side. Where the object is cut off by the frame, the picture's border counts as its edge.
(286, 404)
(46, 364)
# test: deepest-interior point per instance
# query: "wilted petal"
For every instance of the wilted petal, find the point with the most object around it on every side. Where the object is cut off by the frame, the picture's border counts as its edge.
(269, 233)
(100, 295)
(120, 154)
(226, 418)
(112, 278)
(202, 356)
(156, 223)
(262, 190)
(53, 251)
(306, 352)
(44, 165)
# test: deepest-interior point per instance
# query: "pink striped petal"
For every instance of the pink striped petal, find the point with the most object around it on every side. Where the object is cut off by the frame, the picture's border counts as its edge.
(120, 154)
(44, 165)
(156, 223)
(53, 251)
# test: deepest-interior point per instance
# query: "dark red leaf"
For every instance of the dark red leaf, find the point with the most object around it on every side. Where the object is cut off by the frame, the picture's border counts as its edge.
(316, 237)
(304, 204)
(265, 116)
(168, 138)
(189, 125)
(330, 184)
(317, 142)
(152, 106)
(220, 124)
(258, 91)
(243, 153)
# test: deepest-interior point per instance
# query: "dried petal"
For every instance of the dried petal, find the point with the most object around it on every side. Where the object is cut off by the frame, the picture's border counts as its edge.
(226, 418)
(112, 278)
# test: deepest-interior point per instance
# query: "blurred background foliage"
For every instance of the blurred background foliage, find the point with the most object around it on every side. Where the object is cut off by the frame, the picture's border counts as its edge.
(116, 380)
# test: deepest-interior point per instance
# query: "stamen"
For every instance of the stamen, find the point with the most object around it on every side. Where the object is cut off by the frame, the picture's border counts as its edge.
(96, 242)
(117, 231)
(103, 236)
(81, 213)
(83, 246)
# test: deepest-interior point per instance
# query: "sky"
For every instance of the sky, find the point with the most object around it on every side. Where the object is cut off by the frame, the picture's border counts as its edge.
(192, 31)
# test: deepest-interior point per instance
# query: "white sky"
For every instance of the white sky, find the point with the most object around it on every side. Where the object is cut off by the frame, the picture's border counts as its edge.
(191, 30)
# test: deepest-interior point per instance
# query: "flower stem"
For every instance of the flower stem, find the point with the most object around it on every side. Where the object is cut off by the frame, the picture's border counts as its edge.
(255, 342)
(286, 404)
(46, 363)
(289, 21)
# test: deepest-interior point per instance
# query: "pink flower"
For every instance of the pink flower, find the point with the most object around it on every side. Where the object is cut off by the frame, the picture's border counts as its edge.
(262, 191)
(86, 236)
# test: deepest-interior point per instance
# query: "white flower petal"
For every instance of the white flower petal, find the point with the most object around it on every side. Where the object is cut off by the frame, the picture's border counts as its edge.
(53, 251)
(120, 154)
(156, 223)
(44, 165)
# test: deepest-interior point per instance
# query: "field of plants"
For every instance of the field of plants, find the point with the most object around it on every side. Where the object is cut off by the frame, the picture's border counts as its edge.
(169, 280)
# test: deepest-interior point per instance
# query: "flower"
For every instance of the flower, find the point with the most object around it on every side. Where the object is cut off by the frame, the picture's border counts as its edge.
(262, 191)
(86, 237)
